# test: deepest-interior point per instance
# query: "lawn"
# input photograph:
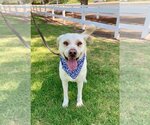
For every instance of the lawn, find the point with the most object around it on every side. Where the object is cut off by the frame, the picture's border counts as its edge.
(134, 82)
(14, 74)
(100, 93)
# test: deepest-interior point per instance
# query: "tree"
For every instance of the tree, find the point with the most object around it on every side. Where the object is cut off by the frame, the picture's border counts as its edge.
(84, 2)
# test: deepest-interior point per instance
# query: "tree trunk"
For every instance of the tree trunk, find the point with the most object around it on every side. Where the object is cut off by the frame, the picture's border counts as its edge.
(84, 2)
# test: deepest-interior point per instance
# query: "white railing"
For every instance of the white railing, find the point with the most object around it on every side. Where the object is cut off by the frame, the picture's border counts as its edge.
(115, 11)
(49, 10)
(16, 10)
(134, 12)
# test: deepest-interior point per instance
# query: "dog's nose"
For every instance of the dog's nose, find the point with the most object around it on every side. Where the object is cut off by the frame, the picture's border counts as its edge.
(72, 52)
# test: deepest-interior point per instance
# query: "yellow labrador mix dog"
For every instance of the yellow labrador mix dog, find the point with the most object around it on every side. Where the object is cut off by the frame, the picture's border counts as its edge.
(73, 63)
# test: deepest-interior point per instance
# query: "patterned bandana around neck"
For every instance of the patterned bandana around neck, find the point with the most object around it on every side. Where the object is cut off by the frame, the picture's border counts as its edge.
(73, 74)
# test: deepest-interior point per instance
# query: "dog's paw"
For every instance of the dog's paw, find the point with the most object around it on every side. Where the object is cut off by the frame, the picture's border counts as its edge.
(65, 104)
(79, 104)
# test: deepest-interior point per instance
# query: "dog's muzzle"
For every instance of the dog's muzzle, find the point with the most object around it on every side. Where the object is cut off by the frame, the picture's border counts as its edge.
(72, 53)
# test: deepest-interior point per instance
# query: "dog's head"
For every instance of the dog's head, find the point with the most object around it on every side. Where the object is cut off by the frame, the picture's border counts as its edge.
(72, 46)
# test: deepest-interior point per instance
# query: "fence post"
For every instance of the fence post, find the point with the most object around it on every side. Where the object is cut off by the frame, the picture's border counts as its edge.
(16, 10)
(72, 7)
(117, 29)
(83, 17)
(40, 9)
(9, 8)
(53, 13)
(36, 8)
(24, 9)
(64, 15)
(97, 14)
(45, 7)
(146, 28)
(1, 8)
(33, 8)
(45, 11)
(4, 7)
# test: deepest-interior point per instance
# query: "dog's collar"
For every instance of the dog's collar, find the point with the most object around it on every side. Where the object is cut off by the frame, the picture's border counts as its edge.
(73, 74)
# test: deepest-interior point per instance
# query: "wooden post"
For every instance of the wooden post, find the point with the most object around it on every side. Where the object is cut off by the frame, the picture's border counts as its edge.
(53, 13)
(117, 29)
(5, 10)
(45, 10)
(40, 9)
(16, 10)
(1, 8)
(146, 28)
(24, 9)
(97, 15)
(35, 8)
(9, 8)
(64, 15)
(83, 17)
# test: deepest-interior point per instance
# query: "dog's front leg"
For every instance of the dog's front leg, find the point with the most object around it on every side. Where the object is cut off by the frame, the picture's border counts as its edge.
(79, 96)
(65, 90)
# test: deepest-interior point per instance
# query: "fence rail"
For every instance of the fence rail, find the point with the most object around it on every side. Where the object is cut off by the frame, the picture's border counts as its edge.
(17, 10)
(115, 10)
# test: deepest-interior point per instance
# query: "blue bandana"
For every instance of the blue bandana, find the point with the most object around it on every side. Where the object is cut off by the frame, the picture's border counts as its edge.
(73, 74)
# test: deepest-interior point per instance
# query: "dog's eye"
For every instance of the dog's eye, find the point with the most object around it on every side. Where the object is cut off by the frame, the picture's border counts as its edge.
(79, 43)
(65, 43)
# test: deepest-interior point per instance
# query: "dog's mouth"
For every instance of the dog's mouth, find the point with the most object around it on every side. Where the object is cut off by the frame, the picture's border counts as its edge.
(72, 62)
(71, 58)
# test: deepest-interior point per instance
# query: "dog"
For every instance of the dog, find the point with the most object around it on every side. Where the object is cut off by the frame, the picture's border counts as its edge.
(73, 62)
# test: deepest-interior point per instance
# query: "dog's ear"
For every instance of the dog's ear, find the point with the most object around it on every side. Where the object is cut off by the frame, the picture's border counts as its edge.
(89, 30)
(87, 33)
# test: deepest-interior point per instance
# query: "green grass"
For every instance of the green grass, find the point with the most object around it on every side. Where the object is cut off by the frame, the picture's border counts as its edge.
(134, 82)
(100, 94)
(14, 75)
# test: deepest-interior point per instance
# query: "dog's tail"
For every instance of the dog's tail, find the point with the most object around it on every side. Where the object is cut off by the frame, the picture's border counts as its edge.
(89, 29)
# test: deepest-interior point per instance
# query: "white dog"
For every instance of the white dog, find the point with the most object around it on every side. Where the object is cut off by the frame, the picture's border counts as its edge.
(73, 63)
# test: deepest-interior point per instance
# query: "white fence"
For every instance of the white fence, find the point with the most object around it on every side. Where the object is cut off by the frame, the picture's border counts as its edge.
(17, 10)
(136, 11)
(114, 10)
(49, 10)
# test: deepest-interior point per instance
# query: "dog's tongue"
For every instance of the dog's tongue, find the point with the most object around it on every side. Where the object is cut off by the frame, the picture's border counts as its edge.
(72, 64)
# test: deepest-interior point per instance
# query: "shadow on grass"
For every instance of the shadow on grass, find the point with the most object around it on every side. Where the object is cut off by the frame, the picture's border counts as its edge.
(8, 38)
